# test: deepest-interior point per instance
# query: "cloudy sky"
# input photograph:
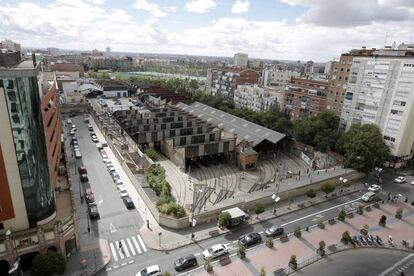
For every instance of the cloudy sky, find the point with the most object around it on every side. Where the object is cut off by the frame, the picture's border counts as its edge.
(281, 29)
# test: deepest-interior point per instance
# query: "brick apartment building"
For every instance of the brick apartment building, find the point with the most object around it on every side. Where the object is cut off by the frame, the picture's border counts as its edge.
(304, 98)
(224, 81)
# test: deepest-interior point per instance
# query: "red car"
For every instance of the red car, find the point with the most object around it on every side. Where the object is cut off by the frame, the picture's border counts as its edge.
(82, 170)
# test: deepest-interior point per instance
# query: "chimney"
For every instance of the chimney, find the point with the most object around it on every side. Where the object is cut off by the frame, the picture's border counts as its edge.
(34, 59)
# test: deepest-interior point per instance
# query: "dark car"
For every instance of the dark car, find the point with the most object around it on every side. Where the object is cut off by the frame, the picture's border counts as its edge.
(250, 239)
(84, 177)
(82, 170)
(274, 231)
(185, 262)
(128, 202)
(93, 211)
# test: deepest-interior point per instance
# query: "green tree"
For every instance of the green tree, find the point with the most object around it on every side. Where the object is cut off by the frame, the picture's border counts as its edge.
(224, 219)
(363, 147)
(328, 187)
(297, 232)
(242, 251)
(320, 131)
(152, 153)
(383, 220)
(262, 272)
(48, 264)
(342, 215)
(293, 263)
(311, 193)
(258, 209)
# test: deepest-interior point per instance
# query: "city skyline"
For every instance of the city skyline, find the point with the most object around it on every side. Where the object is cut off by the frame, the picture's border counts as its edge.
(285, 29)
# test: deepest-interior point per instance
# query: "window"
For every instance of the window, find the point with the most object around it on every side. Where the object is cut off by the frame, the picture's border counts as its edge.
(172, 132)
(183, 141)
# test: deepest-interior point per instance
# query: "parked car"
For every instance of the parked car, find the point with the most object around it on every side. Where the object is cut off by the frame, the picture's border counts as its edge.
(92, 134)
(250, 239)
(123, 193)
(185, 262)
(111, 168)
(105, 159)
(109, 163)
(128, 202)
(115, 176)
(86, 120)
(274, 231)
(82, 170)
(93, 211)
(99, 146)
(72, 115)
(78, 154)
(412, 182)
(84, 177)
(95, 139)
(374, 188)
(104, 155)
(400, 179)
(74, 138)
(76, 147)
(215, 251)
(153, 270)
(72, 132)
(69, 121)
(104, 143)
(75, 143)
(368, 197)
(74, 127)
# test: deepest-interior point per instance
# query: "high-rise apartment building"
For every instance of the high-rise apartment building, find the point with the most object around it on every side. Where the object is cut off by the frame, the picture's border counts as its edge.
(381, 91)
(278, 78)
(257, 98)
(224, 81)
(304, 98)
(241, 60)
(10, 46)
(27, 196)
(338, 78)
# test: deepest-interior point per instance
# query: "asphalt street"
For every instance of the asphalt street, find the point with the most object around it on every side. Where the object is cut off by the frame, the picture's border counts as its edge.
(365, 262)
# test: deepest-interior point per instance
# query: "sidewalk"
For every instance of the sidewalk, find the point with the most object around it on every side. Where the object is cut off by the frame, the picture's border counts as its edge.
(277, 258)
(172, 239)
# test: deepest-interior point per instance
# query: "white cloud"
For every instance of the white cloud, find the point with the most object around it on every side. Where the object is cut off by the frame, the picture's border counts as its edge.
(240, 7)
(96, 2)
(171, 9)
(200, 6)
(147, 6)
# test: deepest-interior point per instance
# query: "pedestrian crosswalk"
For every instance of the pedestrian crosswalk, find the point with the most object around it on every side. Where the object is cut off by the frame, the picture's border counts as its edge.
(128, 247)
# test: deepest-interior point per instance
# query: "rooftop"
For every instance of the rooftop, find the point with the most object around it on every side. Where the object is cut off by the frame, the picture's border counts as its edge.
(244, 129)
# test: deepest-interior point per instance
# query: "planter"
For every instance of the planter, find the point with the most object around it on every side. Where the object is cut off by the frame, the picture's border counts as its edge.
(364, 232)
(398, 216)
(332, 248)
(284, 238)
(332, 221)
(208, 268)
(350, 215)
(293, 266)
(321, 225)
(368, 208)
(321, 253)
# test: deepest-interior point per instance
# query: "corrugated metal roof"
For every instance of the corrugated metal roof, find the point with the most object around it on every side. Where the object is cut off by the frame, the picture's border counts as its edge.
(230, 123)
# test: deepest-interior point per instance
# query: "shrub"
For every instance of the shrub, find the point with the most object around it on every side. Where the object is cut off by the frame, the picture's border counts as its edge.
(342, 215)
(311, 193)
(398, 213)
(172, 208)
(166, 274)
(360, 209)
(328, 187)
(321, 249)
(262, 271)
(269, 242)
(259, 208)
(297, 232)
(383, 220)
(224, 219)
(242, 251)
(376, 204)
(293, 263)
(153, 154)
(48, 264)
(321, 224)
(346, 237)
(207, 264)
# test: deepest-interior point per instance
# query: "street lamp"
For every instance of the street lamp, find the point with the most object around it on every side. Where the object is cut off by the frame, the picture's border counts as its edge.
(276, 200)
(193, 223)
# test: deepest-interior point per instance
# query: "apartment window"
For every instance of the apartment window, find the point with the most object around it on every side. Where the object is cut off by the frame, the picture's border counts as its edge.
(172, 132)
(199, 130)
(212, 136)
(163, 126)
(183, 141)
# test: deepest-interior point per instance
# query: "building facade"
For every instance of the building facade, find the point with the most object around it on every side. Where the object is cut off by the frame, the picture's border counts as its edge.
(10, 46)
(381, 91)
(224, 81)
(278, 78)
(304, 98)
(257, 98)
(24, 148)
(241, 60)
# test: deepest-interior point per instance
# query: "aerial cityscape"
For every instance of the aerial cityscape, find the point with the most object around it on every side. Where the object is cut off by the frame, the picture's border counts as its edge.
(206, 137)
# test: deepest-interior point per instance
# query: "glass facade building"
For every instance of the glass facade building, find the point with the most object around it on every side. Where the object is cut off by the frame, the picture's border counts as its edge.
(25, 116)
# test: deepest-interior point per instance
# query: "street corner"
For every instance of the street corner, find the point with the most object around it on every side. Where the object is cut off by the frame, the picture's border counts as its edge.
(105, 251)
(151, 237)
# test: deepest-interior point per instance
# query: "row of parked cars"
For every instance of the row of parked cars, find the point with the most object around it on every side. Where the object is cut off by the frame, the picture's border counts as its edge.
(88, 193)
(215, 251)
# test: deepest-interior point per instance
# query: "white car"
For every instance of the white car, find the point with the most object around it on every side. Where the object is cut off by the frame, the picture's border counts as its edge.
(370, 196)
(122, 191)
(153, 270)
(215, 251)
(69, 121)
(400, 179)
(72, 132)
(374, 188)
(111, 169)
(109, 164)
(412, 183)
(119, 182)
(95, 139)
(105, 160)
(99, 146)
(104, 143)
(78, 154)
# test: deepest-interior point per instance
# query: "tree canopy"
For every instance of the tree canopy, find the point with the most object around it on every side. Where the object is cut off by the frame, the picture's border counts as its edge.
(363, 147)
(320, 131)
(48, 264)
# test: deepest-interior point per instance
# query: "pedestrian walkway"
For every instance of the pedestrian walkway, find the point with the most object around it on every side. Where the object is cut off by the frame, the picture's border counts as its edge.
(128, 247)
(405, 265)
(277, 258)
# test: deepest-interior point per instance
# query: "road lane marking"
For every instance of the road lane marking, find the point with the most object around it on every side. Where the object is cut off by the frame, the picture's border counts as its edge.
(124, 246)
(237, 241)
(142, 243)
(113, 252)
(320, 212)
(396, 265)
(134, 240)
(261, 232)
(131, 247)
(112, 228)
(197, 254)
